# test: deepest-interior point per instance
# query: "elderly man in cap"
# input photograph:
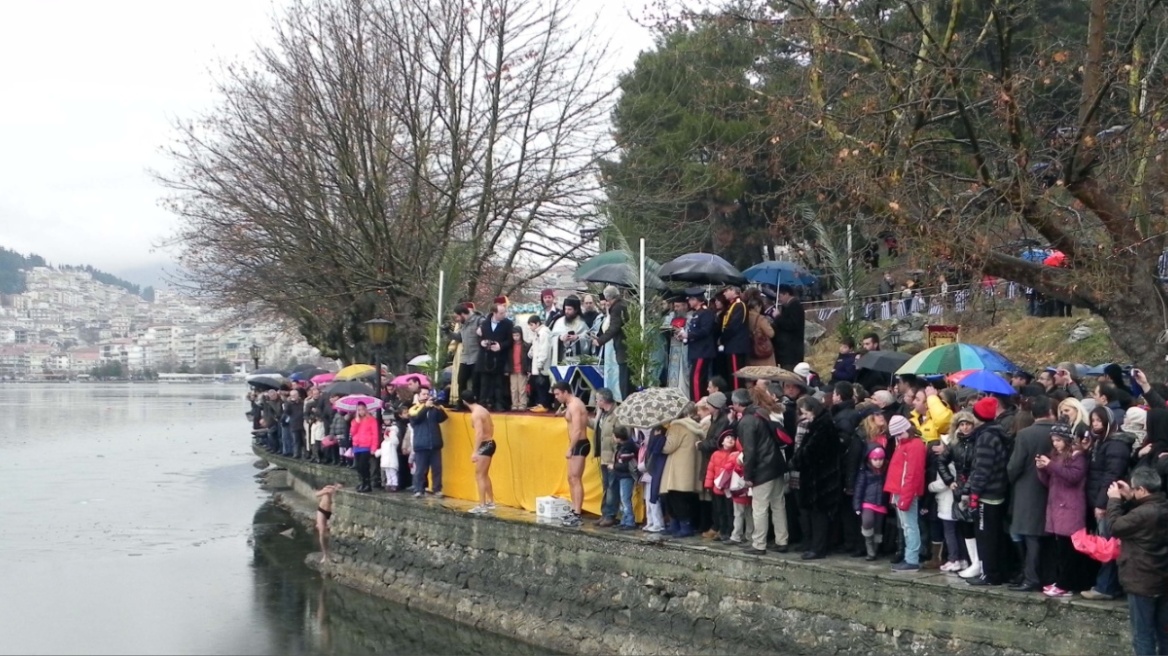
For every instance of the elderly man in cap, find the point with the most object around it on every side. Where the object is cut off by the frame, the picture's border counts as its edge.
(701, 341)
(765, 470)
(613, 330)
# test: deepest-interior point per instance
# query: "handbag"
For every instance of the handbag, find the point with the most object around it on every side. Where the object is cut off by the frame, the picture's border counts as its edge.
(761, 346)
(737, 483)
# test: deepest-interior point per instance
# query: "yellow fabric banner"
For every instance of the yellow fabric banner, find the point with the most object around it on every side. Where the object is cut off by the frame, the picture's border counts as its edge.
(529, 461)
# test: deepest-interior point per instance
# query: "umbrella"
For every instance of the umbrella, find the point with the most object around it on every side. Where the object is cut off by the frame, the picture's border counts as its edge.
(321, 379)
(615, 257)
(355, 371)
(950, 358)
(301, 368)
(1097, 547)
(406, 379)
(777, 374)
(987, 381)
(307, 374)
(651, 407)
(1055, 259)
(1035, 254)
(886, 362)
(347, 387)
(701, 268)
(419, 360)
(621, 275)
(267, 382)
(349, 403)
(779, 273)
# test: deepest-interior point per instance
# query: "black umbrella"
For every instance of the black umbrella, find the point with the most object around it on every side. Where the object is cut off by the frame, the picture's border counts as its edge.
(302, 368)
(701, 268)
(267, 382)
(620, 274)
(347, 387)
(886, 362)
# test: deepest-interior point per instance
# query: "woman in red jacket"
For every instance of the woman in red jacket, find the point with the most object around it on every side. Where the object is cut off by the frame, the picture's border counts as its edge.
(906, 483)
(363, 432)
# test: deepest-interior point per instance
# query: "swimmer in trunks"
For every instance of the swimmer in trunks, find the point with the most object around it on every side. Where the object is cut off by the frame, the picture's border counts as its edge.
(324, 512)
(578, 448)
(484, 450)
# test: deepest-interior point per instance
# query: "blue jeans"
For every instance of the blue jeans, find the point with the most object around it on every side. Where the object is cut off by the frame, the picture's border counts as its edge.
(274, 439)
(610, 498)
(1107, 581)
(1149, 624)
(626, 484)
(287, 448)
(910, 526)
(428, 461)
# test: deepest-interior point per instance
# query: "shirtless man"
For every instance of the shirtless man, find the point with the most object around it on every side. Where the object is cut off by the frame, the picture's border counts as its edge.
(484, 442)
(324, 512)
(578, 448)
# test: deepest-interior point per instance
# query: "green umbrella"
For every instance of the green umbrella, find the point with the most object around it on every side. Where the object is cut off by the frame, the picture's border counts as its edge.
(614, 257)
(951, 358)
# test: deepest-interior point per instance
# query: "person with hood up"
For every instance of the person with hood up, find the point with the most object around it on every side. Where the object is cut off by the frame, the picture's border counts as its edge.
(986, 490)
(1108, 460)
(1064, 473)
(868, 501)
(1135, 423)
(957, 448)
(906, 483)
(681, 478)
(764, 468)
(818, 459)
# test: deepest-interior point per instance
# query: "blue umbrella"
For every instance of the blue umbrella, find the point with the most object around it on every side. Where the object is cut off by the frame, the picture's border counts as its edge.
(987, 381)
(776, 273)
(1035, 254)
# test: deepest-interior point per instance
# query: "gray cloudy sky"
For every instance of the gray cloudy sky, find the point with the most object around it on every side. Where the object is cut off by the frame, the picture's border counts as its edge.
(90, 89)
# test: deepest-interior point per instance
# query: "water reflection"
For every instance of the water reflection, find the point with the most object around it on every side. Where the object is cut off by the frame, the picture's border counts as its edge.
(308, 615)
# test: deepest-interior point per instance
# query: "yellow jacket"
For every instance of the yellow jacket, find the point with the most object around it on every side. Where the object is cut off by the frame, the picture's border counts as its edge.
(935, 422)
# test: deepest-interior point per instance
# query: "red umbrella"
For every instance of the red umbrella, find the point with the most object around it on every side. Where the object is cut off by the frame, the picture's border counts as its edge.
(957, 377)
(1056, 259)
(1099, 548)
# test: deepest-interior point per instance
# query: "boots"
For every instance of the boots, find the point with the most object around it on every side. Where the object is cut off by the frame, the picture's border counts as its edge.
(686, 529)
(870, 547)
(934, 561)
(974, 569)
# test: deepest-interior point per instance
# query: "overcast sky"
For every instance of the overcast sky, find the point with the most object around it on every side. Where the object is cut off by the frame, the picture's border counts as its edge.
(90, 89)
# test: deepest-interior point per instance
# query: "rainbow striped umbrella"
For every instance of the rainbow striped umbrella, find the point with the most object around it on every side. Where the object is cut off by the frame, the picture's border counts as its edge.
(950, 358)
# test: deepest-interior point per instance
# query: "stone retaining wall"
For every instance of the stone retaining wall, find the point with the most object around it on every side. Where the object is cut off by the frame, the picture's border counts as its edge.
(600, 592)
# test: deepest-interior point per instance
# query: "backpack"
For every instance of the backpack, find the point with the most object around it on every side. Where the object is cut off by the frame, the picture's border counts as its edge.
(760, 346)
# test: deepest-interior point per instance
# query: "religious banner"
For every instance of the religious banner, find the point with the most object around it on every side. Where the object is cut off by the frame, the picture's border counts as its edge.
(938, 335)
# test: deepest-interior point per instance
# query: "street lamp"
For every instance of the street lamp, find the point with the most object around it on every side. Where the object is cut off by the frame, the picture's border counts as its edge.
(255, 351)
(378, 331)
(894, 338)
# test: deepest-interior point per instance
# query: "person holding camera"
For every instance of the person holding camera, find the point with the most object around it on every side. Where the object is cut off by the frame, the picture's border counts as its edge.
(1138, 515)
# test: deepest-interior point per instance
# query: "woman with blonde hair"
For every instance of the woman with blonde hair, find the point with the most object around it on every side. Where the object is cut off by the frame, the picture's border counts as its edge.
(1073, 414)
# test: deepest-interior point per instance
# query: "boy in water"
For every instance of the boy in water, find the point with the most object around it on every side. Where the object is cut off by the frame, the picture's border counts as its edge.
(324, 512)
(484, 440)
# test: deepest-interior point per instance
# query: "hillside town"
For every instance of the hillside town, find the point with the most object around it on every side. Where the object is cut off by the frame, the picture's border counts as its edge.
(68, 326)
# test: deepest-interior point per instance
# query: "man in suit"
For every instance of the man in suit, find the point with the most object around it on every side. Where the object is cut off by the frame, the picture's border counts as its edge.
(618, 315)
(496, 339)
(701, 339)
(790, 324)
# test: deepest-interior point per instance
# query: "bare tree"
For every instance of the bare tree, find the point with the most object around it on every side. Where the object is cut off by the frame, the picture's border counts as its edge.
(375, 143)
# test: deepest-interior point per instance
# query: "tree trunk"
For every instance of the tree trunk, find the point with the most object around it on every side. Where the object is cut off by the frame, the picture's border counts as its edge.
(1130, 318)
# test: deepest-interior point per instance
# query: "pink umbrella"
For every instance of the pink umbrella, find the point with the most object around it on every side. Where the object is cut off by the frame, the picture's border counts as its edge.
(406, 379)
(349, 403)
(1100, 548)
(321, 379)
(958, 376)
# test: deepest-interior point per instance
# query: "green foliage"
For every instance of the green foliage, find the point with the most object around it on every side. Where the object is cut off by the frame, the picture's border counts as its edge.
(12, 267)
(843, 269)
(112, 370)
(640, 343)
(104, 278)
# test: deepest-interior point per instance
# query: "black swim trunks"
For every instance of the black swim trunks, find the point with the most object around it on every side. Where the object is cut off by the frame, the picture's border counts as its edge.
(582, 448)
(486, 449)
(327, 513)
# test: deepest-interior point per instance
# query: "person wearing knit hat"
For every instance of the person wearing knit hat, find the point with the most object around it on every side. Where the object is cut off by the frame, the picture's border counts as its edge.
(868, 500)
(986, 409)
(906, 483)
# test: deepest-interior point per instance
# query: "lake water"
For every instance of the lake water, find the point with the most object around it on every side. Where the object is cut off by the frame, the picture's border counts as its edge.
(132, 524)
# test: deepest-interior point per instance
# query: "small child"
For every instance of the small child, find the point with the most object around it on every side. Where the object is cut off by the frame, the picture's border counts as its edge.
(743, 516)
(520, 367)
(719, 473)
(625, 470)
(868, 501)
(388, 455)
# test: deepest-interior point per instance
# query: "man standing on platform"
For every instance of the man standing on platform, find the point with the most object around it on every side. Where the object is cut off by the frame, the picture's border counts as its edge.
(578, 448)
(496, 341)
(618, 315)
(484, 450)
(735, 336)
(542, 358)
(467, 335)
(790, 324)
(701, 342)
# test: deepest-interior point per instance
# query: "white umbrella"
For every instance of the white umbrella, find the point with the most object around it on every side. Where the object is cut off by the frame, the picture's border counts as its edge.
(419, 360)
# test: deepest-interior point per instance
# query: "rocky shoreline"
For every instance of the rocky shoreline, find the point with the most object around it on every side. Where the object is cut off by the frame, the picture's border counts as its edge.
(597, 592)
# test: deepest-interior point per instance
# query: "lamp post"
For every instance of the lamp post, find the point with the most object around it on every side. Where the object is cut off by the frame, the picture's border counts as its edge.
(255, 351)
(378, 332)
(894, 338)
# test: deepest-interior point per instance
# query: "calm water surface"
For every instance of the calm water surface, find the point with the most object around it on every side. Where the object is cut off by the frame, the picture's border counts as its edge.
(132, 524)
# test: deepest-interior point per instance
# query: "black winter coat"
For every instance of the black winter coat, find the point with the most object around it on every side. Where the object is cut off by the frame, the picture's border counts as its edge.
(987, 476)
(854, 453)
(735, 335)
(1028, 498)
(818, 459)
(845, 418)
(762, 459)
(1143, 528)
(1109, 463)
(701, 336)
(790, 325)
